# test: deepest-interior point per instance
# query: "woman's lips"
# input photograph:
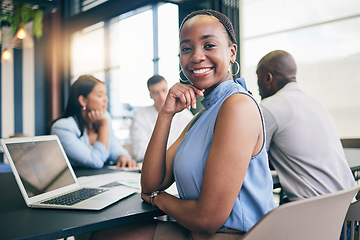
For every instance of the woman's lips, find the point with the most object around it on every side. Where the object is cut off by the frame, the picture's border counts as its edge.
(201, 72)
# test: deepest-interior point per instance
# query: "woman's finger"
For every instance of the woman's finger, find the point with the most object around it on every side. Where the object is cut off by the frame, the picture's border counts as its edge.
(189, 98)
(199, 92)
(132, 164)
(193, 98)
(181, 96)
(183, 92)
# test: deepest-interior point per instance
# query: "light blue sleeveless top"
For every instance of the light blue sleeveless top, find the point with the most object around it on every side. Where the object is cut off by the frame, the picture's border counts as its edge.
(255, 197)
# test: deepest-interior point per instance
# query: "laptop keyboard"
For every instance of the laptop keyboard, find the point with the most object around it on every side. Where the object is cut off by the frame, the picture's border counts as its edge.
(72, 198)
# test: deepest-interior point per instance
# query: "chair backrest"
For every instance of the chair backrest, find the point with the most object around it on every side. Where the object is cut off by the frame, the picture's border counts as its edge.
(319, 217)
(352, 219)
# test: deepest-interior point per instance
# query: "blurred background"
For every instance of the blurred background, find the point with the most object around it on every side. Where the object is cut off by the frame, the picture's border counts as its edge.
(47, 44)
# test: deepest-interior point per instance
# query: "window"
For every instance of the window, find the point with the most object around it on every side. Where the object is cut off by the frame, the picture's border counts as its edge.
(322, 36)
(87, 52)
(168, 29)
(125, 52)
(78, 6)
(131, 60)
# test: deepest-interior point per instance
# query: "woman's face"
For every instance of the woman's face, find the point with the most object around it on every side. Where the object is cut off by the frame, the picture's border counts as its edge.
(205, 51)
(97, 99)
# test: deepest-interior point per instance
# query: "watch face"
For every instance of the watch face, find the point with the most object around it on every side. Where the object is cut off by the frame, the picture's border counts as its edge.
(154, 194)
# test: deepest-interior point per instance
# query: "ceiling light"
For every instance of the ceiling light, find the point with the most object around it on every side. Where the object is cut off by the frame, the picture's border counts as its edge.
(5, 55)
(22, 39)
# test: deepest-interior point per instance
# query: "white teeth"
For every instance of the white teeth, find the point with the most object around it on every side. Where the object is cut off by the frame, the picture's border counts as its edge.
(201, 70)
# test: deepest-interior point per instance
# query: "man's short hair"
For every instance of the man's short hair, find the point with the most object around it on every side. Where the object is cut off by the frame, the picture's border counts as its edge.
(155, 79)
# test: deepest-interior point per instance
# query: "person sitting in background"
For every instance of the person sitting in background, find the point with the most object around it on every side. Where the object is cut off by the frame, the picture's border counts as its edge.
(301, 137)
(219, 163)
(144, 119)
(85, 128)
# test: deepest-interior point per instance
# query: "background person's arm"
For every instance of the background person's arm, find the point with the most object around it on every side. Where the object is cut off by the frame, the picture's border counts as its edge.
(140, 133)
(77, 148)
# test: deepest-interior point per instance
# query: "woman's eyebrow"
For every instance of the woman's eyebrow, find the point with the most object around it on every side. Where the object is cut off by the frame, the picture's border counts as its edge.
(209, 36)
(202, 38)
(184, 41)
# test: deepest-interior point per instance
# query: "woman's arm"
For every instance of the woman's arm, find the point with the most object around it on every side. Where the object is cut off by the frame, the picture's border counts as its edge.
(237, 137)
(99, 117)
(77, 148)
(156, 171)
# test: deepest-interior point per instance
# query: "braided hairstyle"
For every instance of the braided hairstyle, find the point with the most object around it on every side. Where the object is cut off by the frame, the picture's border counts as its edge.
(224, 20)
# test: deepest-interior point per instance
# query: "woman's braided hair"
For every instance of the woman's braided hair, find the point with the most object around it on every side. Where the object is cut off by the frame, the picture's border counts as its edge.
(224, 20)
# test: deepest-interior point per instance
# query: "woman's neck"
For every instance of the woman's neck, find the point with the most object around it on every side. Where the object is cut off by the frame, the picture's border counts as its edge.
(209, 90)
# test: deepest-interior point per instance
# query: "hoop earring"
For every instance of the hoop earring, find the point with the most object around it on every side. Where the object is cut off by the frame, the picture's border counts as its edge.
(238, 68)
(84, 108)
(182, 80)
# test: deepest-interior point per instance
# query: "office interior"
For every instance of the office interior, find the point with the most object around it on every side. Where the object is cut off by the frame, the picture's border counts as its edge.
(123, 43)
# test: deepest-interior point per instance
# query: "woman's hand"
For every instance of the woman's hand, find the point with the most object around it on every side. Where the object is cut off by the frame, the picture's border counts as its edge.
(146, 197)
(97, 116)
(124, 161)
(181, 96)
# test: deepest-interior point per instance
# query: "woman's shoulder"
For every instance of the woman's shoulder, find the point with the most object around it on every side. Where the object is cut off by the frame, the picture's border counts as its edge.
(238, 104)
(239, 98)
(65, 125)
(64, 122)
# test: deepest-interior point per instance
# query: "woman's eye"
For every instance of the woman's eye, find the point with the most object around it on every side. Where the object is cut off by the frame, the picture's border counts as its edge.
(185, 49)
(209, 45)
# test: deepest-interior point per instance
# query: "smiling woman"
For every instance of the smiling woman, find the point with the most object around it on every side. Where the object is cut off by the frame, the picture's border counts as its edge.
(196, 46)
(217, 182)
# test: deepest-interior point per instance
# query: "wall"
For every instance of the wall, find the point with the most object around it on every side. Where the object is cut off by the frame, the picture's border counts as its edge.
(23, 92)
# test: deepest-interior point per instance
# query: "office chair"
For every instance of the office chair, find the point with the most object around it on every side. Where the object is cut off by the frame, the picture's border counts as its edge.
(319, 217)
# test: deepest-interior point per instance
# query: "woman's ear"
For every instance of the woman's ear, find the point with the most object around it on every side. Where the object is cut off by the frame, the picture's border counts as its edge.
(82, 100)
(233, 50)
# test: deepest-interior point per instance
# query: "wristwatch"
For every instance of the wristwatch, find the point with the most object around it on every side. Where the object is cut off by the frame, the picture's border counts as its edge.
(152, 196)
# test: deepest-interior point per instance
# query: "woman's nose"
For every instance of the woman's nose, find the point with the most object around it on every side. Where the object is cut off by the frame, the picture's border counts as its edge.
(198, 56)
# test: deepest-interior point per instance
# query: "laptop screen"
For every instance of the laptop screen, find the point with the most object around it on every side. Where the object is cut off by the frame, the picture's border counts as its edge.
(40, 165)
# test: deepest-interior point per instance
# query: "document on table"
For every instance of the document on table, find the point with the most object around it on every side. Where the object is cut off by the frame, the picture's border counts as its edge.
(129, 179)
(134, 169)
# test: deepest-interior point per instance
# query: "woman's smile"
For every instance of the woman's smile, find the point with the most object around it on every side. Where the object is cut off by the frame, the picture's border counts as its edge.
(205, 52)
(201, 72)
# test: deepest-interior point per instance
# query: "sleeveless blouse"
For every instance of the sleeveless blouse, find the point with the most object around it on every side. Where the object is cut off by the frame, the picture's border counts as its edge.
(255, 197)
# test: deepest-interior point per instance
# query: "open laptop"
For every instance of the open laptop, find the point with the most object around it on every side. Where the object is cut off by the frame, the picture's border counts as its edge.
(43, 173)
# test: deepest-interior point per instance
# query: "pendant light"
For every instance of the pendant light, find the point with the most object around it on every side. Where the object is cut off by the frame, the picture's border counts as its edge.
(6, 55)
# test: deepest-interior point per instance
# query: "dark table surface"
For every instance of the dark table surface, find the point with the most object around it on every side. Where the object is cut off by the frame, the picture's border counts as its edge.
(17, 221)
